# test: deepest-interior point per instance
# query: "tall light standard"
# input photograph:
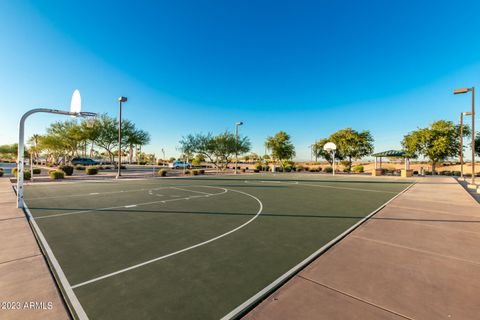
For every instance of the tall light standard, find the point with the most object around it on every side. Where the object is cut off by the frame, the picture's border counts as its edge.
(461, 141)
(75, 111)
(119, 169)
(237, 124)
(472, 113)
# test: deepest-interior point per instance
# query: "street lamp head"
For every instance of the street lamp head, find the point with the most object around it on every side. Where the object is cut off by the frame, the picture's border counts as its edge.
(239, 123)
(461, 90)
(466, 113)
(122, 99)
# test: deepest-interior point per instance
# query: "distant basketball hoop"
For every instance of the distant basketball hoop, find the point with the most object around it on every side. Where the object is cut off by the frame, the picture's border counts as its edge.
(331, 147)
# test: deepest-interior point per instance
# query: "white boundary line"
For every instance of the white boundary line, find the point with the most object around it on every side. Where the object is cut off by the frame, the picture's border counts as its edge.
(182, 250)
(56, 266)
(262, 294)
(131, 205)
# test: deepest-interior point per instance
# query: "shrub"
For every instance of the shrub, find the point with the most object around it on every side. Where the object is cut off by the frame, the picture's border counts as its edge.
(67, 169)
(195, 172)
(1, 173)
(100, 168)
(256, 170)
(56, 174)
(288, 168)
(328, 169)
(26, 174)
(415, 172)
(107, 167)
(91, 171)
(456, 173)
(358, 169)
(244, 170)
(319, 169)
(345, 163)
(312, 170)
(123, 167)
(299, 168)
(346, 170)
(201, 171)
(79, 168)
(162, 173)
(37, 171)
(187, 171)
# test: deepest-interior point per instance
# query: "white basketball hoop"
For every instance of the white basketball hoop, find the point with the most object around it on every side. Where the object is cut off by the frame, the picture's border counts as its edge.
(331, 147)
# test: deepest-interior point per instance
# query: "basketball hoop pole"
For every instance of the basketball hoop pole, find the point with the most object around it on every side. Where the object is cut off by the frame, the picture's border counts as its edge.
(331, 147)
(21, 144)
(333, 161)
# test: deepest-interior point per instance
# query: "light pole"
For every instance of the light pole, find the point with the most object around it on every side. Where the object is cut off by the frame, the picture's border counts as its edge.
(237, 124)
(163, 159)
(472, 113)
(461, 141)
(119, 169)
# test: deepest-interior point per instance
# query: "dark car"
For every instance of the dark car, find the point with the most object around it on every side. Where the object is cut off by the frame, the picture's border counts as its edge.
(84, 162)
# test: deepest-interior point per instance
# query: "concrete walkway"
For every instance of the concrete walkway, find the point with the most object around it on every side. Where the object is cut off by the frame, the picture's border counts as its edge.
(27, 289)
(418, 258)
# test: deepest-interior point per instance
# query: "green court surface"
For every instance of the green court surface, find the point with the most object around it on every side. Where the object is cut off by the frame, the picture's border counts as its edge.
(193, 248)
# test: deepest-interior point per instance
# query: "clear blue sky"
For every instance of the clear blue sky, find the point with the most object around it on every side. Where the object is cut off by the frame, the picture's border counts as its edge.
(305, 67)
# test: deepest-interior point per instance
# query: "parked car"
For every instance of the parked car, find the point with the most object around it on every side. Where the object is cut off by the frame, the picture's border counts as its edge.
(180, 164)
(84, 162)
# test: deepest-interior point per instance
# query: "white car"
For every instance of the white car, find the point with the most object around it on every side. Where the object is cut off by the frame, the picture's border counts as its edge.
(180, 165)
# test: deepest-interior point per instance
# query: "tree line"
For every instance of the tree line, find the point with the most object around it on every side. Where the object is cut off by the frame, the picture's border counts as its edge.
(438, 142)
(65, 140)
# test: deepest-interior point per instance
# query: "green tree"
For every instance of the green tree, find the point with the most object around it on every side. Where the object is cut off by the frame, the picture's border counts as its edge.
(218, 149)
(351, 145)
(133, 138)
(437, 142)
(317, 149)
(281, 147)
(477, 142)
(9, 151)
(197, 160)
(68, 136)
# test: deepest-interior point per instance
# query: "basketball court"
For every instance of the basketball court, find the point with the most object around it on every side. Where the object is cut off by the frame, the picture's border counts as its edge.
(200, 247)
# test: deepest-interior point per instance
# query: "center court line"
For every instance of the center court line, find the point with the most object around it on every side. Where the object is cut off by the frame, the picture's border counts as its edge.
(138, 204)
(260, 209)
